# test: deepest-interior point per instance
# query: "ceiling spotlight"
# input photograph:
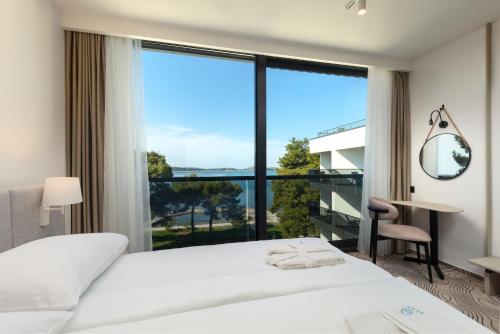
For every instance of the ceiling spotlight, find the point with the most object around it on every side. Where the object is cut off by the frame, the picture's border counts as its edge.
(361, 6)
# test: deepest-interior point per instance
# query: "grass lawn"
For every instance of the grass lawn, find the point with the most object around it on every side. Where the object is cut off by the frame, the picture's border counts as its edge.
(167, 238)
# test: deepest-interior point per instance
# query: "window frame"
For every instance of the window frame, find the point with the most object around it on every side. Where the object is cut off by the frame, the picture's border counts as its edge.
(261, 64)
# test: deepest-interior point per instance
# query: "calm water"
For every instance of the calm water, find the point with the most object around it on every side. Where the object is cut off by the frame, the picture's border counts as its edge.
(217, 172)
(247, 197)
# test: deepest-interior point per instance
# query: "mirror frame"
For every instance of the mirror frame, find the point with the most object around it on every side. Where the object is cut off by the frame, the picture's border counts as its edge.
(451, 178)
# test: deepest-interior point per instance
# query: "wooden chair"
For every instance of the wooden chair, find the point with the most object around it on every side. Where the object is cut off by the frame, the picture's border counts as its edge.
(380, 209)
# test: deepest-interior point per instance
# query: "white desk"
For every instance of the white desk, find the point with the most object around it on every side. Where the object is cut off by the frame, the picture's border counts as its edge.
(433, 208)
(491, 264)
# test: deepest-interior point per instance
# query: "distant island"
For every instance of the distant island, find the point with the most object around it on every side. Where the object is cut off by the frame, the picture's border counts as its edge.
(187, 169)
(184, 169)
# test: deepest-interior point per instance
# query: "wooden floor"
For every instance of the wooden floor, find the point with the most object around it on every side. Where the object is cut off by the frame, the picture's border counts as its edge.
(461, 290)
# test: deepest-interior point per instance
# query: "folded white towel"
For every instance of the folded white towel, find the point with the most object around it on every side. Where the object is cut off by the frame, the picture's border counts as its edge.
(401, 319)
(371, 323)
(299, 256)
(421, 320)
(294, 248)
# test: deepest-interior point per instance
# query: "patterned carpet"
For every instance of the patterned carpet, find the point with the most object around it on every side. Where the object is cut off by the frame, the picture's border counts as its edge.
(461, 290)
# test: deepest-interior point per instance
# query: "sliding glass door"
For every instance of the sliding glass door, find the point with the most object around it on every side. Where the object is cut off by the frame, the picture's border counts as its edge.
(200, 132)
(315, 151)
(246, 147)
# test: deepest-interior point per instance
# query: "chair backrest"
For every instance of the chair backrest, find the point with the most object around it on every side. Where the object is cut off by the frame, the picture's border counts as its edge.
(382, 204)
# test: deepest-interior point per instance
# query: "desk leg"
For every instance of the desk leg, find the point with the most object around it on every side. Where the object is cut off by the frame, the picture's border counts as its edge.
(433, 227)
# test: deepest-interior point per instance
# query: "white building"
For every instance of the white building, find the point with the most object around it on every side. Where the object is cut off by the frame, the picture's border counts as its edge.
(341, 152)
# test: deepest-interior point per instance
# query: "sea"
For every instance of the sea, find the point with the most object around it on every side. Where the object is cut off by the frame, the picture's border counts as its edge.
(247, 197)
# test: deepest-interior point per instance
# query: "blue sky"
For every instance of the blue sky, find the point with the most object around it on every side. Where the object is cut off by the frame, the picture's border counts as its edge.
(200, 110)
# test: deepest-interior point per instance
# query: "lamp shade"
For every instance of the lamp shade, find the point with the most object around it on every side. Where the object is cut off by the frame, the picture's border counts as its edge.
(61, 191)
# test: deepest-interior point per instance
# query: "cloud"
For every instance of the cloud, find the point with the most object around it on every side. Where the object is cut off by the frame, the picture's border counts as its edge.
(275, 150)
(185, 147)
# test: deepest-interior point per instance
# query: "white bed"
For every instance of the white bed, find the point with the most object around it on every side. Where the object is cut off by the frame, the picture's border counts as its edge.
(314, 312)
(211, 289)
(185, 279)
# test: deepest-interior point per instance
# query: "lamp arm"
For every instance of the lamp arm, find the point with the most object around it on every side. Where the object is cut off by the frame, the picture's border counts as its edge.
(44, 213)
(432, 113)
(55, 208)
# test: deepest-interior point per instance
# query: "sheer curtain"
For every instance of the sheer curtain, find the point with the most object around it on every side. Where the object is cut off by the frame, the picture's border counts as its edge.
(126, 188)
(377, 151)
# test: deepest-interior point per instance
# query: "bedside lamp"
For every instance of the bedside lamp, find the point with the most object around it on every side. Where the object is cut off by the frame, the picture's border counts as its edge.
(58, 192)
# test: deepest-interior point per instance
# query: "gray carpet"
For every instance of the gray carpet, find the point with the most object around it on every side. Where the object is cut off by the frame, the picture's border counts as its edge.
(461, 290)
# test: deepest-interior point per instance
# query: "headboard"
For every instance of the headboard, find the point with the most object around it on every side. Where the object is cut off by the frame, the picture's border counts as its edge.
(19, 217)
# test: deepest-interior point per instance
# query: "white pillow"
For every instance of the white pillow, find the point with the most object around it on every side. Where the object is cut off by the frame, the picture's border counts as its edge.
(52, 273)
(39, 322)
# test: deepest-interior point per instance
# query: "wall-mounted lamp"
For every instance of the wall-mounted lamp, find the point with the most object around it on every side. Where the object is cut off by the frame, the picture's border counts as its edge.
(361, 6)
(442, 123)
(58, 192)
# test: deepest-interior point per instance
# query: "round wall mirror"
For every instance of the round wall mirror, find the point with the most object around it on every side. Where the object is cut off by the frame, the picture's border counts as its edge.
(445, 156)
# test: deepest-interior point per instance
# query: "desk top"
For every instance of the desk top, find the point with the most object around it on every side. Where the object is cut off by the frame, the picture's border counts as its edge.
(492, 263)
(429, 206)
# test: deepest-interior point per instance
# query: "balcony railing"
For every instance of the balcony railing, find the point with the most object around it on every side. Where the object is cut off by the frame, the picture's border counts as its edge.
(343, 128)
(208, 210)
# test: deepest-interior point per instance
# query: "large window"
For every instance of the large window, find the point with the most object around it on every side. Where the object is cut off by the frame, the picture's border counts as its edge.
(200, 133)
(315, 176)
(238, 149)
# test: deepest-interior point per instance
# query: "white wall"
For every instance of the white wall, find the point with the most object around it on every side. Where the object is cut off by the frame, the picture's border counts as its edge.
(352, 158)
(495, 132)
(32, 144)
(454, 75)
(339, 141)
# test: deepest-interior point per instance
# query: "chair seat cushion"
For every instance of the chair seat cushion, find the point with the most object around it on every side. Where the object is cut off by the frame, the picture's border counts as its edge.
(403, 232)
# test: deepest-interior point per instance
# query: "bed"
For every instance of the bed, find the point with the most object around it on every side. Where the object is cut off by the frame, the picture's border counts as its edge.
(222, 288)
(318, 311)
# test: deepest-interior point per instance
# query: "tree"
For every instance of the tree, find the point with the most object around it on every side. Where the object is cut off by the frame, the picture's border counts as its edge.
(461, 159)
(158, 166)
(292, 198)
(297, 159)
(162, 198)
(190, 194)
(218, 198)
(223, 196)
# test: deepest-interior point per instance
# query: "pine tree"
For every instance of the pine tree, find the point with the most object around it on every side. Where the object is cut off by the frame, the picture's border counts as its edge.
(292, 198)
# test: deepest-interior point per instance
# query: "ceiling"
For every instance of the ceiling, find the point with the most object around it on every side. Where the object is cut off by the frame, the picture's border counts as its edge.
(404, 29)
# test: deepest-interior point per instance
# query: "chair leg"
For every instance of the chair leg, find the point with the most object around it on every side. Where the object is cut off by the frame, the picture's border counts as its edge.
(418, 253)
(371, 244)
(428, 260)
(375, 243)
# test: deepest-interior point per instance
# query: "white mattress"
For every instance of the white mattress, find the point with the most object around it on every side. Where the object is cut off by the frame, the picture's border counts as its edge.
(146, 285)
(318, 311)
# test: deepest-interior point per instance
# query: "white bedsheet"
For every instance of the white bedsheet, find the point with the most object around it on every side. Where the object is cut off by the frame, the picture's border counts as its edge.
(314, 312)
(146, 285)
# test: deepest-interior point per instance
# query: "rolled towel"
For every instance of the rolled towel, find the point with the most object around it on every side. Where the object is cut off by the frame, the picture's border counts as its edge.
(302, 256)
(294, 248)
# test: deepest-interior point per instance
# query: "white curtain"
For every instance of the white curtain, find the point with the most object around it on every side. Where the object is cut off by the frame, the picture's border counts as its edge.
(126, 188)
(376, 180)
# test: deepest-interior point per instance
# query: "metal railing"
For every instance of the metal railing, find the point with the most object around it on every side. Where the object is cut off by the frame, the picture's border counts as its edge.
(343, 128)
(317, 175)
(178, 212)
